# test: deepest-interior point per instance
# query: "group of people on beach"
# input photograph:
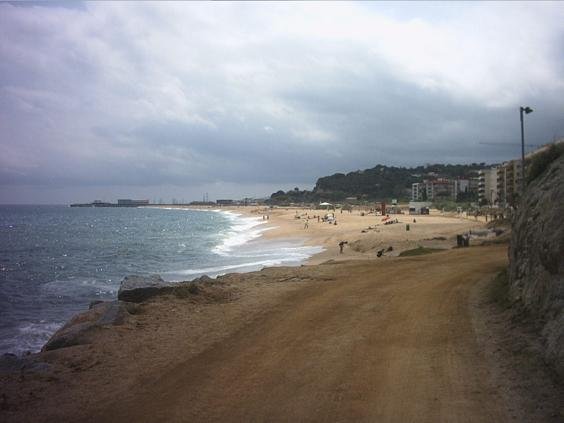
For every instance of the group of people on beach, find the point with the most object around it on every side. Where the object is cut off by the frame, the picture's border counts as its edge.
(329, 218)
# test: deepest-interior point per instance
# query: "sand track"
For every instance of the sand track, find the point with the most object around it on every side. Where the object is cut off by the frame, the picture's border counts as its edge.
(387, 341)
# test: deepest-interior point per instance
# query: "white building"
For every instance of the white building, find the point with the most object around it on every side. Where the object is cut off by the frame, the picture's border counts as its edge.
(417, 191)
(487, 186)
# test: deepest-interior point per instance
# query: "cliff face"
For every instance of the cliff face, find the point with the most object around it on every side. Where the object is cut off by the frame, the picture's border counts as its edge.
(536, 254)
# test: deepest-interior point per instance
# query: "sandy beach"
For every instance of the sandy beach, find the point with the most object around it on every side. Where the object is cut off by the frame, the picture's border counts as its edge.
(365, 233)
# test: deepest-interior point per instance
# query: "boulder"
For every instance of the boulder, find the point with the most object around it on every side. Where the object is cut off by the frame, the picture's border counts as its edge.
(80, 328)
(137, 289)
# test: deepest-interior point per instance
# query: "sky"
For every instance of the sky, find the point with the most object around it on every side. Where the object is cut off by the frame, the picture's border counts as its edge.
(107, 100)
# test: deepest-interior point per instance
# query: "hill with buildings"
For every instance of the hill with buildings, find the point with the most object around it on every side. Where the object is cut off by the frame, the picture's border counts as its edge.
(497, 185)
(381, 183)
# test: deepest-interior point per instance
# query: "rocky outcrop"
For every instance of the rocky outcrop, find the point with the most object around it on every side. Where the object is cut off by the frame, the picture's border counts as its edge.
(137, 289)
(80, 328)
(536, 253)
(133, 290)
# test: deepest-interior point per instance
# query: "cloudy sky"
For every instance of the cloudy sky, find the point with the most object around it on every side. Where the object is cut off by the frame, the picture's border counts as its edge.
(159, 100)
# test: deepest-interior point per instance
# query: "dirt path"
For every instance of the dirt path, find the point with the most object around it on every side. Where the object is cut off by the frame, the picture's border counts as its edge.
(392, 342)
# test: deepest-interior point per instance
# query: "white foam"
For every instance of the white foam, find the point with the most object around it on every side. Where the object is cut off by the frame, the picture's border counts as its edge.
(224, 269)
(76, 286)
(243, 230)
(267, 257)
(30, 336)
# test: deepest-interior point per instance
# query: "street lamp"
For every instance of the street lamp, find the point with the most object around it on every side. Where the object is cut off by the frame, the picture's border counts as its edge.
(527, 110)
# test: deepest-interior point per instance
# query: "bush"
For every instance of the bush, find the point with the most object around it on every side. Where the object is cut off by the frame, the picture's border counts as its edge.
(541, 161)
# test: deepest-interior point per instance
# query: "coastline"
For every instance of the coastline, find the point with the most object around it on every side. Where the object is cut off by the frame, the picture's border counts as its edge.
(194, 354)
(365, 233)
(282, 240)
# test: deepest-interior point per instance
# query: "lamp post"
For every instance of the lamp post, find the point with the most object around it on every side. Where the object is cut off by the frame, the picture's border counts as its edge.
(527, 110)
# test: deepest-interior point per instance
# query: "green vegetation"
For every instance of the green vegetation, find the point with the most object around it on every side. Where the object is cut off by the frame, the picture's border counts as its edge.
(419, 251)
(294, 196)
(541, 161)
(499, 290)
(380, 182)
(375, 184)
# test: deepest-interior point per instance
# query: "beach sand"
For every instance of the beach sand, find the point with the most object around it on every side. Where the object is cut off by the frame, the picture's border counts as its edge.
(364, 233)
(357, 338)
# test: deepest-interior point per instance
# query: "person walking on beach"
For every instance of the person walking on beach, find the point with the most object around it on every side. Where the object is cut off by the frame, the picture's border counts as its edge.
(306, 224)
(341, 245)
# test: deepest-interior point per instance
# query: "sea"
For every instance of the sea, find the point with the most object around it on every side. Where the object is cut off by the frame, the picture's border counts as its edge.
(55, 260)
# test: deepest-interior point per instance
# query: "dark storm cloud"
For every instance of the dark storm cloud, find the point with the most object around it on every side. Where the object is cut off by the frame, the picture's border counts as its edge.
(224, 96)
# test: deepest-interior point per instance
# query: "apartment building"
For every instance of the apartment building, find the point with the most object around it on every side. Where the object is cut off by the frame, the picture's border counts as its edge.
(488, 186)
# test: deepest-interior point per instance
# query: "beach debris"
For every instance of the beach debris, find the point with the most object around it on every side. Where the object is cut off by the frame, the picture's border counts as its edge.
(390, 248)
(380, 253)
(462, 240)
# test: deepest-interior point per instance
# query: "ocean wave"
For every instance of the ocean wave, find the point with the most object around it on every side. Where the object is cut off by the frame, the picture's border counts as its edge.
(254, 265)
(76, 287)
(30, 336)
(268, 256)
(218, 270)
(242, 230)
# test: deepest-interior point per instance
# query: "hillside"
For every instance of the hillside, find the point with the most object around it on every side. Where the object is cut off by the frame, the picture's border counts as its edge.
(378, 183)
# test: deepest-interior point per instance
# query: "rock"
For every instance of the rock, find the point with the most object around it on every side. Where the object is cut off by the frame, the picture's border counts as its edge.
(80, 328)
(113, 313)
(536, 258)
(94, 303)
(204, 279)
(137, 289)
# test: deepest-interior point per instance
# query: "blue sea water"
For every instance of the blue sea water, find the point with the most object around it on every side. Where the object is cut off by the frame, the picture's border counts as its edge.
(54, 260)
